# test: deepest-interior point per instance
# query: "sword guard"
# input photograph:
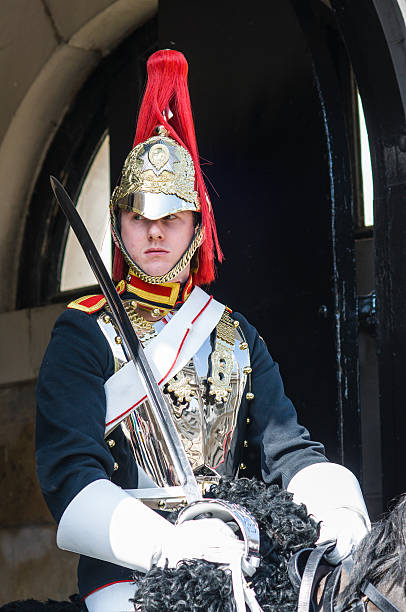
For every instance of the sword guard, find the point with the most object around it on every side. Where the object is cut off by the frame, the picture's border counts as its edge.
(227, 511)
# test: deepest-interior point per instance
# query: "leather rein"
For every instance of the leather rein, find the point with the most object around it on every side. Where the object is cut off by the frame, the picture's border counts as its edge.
(373, 595)
(308, 566)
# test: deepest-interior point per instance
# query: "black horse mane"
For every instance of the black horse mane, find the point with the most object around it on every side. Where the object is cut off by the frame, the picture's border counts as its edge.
(381, 556)
(197, 586)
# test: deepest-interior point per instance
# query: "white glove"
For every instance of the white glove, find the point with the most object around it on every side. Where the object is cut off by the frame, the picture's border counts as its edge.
(208, 538)
(333, 496)
(105, 522)
(347, 527)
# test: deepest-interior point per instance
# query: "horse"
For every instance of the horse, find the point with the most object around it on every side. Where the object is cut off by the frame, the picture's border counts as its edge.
(379, 564)
(286, 529)
(380, 561)
(201, 586)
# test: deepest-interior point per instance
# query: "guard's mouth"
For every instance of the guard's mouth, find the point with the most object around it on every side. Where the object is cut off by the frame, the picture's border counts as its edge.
(153, 251)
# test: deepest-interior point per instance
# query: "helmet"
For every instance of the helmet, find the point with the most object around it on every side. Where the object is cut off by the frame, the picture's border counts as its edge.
(162, 174)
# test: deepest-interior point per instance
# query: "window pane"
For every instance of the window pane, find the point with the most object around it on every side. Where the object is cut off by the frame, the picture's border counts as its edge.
(93, 207)
(367, 183)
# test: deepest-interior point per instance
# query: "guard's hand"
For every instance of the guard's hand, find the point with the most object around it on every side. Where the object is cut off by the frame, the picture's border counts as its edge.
(347, 527)
(210, 539)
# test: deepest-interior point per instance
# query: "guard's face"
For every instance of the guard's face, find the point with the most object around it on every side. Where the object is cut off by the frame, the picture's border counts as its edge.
(157, 245)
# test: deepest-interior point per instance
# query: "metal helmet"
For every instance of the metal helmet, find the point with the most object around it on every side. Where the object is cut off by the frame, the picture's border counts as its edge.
(162, 174)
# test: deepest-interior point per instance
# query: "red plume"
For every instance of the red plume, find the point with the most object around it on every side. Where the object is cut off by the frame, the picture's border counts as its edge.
(167, 87)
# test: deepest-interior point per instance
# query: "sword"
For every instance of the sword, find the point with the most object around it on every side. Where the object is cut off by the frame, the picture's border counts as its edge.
(133, 350)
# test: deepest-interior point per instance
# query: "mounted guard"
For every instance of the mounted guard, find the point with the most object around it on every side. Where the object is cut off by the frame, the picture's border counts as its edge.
(111, 461)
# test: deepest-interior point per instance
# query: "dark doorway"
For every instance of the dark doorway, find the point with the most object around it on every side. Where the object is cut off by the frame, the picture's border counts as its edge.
(270, 89)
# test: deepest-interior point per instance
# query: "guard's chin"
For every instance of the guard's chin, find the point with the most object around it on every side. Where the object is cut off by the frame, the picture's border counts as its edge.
(157, 268)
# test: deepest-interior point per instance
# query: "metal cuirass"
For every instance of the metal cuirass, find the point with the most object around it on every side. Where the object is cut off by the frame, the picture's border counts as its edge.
(203, 398)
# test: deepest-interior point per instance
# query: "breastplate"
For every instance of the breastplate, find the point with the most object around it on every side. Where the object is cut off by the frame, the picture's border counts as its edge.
(203, 398)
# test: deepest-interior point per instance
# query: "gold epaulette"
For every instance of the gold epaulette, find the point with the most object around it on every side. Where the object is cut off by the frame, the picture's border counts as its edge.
(93, 303)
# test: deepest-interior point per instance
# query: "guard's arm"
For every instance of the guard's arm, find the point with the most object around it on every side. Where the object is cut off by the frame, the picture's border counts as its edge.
(333, 496)
(106, 523)
(289, 457)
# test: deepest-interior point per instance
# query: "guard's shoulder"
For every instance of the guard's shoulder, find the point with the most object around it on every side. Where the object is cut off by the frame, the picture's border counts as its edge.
(240, 318)
(249, 330)
(93, 303)
(88, 303)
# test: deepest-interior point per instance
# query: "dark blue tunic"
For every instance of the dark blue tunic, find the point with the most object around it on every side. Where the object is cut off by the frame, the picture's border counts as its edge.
(72, 452)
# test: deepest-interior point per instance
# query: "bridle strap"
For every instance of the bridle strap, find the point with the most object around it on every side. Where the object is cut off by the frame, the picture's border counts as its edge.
(376, 597)
(313, 572)
(331, 589)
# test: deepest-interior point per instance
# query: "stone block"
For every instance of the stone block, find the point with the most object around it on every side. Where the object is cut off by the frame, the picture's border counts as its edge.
(21, 499)
(71, 16)
(25, 335)
(115, 23)
(33, 567)
(15, 355)
(42, 321)
(27, 41)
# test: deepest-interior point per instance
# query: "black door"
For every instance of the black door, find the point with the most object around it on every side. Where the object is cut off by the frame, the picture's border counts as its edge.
(269, 86)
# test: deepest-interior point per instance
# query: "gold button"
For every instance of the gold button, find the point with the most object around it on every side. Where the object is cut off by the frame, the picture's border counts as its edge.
(245, 443)
(247, 370)
(111, 443)
(248, 420)
(156, 313)
(236, 323)
(115, 466)
(162, 504)
(243, 346)
(133, 304)
(106, 319)
(118, 340)
(249, 396)
(243, 466)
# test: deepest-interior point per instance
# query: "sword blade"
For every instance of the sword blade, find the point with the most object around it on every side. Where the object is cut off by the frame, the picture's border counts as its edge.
(132, 346)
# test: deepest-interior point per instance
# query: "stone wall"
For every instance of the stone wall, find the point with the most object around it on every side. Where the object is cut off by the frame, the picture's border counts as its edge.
(31, 564)
(49, 49)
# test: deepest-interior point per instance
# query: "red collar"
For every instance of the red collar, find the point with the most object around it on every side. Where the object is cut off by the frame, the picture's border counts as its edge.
(165, 295)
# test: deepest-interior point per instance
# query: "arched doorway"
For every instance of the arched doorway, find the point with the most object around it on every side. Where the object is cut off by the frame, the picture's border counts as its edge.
(107, 104)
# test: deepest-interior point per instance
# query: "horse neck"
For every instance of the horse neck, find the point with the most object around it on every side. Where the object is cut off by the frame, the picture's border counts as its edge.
(394, 593)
